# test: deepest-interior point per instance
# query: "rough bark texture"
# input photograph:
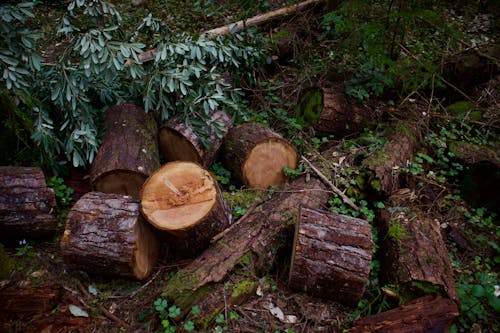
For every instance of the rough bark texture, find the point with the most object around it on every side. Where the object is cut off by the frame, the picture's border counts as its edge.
(257, 155)
(22, 302)
(179, 142)
(128, 153)
(472, 153)
(414, 253)
(328, 110)
(105, 234)
(424, 315)
(332, 256)
(184, 200)
(26, 204)
(252, 243)
(387, 162)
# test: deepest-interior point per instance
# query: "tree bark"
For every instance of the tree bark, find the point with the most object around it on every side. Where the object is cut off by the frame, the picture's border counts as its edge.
(332, 256)
(423, 315)
(26, 204)
(256, 154)
(387, 162)
(179, 142)
(23, 302)
(105, 234)
(184, 200)
(251, 244)
(328, 110)
(128, 153)
(414, 254)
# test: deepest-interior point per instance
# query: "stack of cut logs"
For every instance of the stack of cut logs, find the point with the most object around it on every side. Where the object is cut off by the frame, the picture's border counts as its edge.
(138, 204)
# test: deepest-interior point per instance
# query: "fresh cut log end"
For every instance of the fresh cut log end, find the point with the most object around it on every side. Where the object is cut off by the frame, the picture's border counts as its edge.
(332, 256)
(105, 234)
(257, 155)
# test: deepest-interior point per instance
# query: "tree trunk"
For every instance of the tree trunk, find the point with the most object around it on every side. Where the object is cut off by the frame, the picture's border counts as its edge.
(328, 110)
(251, 243)
(423, 315)
(256, 154)
(179, 142)
(26, 204)
(387, 162)
(128, 153)
(415, 257)
(184, 199)
(332, 256)
(105, 234)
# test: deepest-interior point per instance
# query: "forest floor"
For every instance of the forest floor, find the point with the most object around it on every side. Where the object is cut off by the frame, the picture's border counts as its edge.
(465, 200)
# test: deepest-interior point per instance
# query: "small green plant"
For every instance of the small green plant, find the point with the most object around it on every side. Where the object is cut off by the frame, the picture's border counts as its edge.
(62, 191)
(222, 175)
(166, 313)
(293, 173)
(25, 249)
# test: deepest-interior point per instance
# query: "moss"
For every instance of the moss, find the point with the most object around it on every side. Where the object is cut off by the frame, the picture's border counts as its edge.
(396, 231)
(184, 290)
(7, 264)
(310, 107)
(416, 289)
(242, 291)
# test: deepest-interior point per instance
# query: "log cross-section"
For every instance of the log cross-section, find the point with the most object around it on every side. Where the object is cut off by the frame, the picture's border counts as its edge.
(26, 204)
(105, 234)
(184, 199)
(332, 256)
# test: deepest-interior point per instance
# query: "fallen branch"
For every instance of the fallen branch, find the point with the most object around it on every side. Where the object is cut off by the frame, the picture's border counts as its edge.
(239, 26)
(329, 183)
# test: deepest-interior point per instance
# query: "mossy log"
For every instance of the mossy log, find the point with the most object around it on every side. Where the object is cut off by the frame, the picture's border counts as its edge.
(256, 154)
(386, 163)
(184, 199)
(328, 110)
(26, 204)
(414, 255)
(251, 244)
(332, 255)
(179, 142)
(423, 315)
(128, 153)
(106, 234)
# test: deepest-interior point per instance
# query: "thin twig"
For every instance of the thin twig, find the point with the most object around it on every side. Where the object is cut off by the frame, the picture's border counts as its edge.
(132, 295)
(329, 183)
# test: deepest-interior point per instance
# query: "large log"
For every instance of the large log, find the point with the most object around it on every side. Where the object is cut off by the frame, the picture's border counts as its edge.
(252, 244)
(328, 110)
(424, 315)
(179, 142)
(386, 163)
(414, 255)
(184, 200)
(105, 234)
(26, 204)
(256, 154)
(332, 256)
(128, 153)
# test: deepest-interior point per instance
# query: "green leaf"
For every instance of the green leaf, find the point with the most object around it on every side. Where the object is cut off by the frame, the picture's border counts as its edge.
(478, 291)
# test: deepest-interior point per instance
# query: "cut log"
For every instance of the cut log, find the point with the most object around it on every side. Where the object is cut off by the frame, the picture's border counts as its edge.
(23, 302)
(328, 110)
(26, 204)
(128, 153)
(179, 142)
(106, 234)
(241, 25)
(252, 245)
(423, 315)
(184, 200)
(386, 163)
(332, 256)
(414, 255)
(256, 154)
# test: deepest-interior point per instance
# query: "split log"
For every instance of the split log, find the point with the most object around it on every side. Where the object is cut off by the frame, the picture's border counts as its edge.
(179, 142)
(251, 244)
(256, 154)
(331, 257)
(386, 163)
(328, 110)
(105, 234)
(414, 255)
(184, 200)
(423, 315)
(128, 153)
(258, 20)
(26, 204)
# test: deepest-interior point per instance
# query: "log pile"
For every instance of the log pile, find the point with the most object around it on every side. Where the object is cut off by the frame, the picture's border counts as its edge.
(26, 205)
